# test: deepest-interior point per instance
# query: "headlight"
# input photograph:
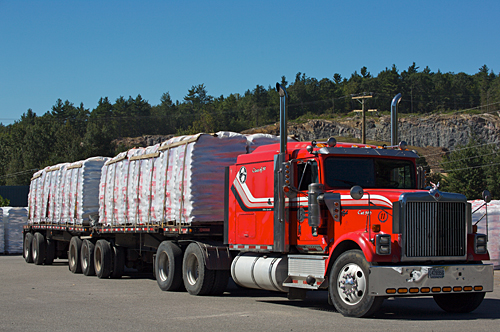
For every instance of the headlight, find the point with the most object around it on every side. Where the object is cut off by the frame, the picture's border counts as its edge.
(480, 244)
(383, 244)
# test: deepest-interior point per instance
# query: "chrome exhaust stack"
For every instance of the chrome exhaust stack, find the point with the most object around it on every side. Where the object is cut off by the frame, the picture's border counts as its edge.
(394, 119)
(281, 178)
(283, 118)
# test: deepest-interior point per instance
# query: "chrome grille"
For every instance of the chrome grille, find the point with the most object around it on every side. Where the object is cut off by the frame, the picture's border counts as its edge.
(434, 229)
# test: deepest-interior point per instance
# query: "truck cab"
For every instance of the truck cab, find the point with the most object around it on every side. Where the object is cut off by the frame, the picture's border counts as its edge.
(354, 221)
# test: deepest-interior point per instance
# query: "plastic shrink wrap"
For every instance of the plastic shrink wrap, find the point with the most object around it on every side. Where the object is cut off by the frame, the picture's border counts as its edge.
(14, 218)
(66, 193)
(493, 227)
(179, 181)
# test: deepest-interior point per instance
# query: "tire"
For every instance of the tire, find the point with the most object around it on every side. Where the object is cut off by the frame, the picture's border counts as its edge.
(349, 284)
(87, 258)
(50, 251)
(75, 247)
(168, 266)
(28, 243)
(459, 303)
(118, 262)
(220, 282)
(198, 280)
(38, 249)
(103, 259)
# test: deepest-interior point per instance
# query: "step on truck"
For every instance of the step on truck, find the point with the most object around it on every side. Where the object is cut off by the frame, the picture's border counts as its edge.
(269, 212)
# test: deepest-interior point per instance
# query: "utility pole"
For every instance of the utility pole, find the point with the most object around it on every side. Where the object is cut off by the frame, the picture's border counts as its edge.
(361, 99)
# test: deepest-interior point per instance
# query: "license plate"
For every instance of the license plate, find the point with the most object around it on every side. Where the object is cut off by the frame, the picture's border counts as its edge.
(436, 272)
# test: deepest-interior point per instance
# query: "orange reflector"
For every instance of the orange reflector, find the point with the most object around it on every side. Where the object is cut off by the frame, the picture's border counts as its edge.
(376, 228)
(286, 189)
(402, 290)
(457, 289)
(425, 289)
(446, 289)
(413, 290)
(478, 288)
(467, 288)
(390, 291)
(436, 289)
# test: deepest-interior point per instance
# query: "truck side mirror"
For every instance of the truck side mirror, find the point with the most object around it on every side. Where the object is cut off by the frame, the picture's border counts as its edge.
(486, 196)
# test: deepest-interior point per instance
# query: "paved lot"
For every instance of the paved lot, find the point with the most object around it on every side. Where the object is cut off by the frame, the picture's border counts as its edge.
(50, 298)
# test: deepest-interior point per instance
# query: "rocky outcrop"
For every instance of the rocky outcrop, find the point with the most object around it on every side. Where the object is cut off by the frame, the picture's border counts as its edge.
(445, 131)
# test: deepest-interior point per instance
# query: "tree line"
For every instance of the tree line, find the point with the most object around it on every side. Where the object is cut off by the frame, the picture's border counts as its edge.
(68, 133)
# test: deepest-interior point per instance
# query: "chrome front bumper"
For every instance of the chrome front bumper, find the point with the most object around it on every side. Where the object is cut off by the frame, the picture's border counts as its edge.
(430, 280)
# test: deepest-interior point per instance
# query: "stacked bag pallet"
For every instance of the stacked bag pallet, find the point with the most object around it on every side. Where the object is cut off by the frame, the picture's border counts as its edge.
(493, 227)
(172, 183)
(13, 219)
(66, 193)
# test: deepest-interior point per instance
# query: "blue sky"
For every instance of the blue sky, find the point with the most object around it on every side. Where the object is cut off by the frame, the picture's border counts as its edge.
(84, 50)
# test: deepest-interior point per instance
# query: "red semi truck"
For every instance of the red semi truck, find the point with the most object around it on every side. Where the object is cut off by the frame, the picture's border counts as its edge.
(292, 217)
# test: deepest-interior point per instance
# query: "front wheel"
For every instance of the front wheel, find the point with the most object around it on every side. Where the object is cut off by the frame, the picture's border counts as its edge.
(348, 286)
(459, 303)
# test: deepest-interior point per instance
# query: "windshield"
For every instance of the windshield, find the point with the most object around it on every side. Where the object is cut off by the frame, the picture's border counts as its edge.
(369, 173)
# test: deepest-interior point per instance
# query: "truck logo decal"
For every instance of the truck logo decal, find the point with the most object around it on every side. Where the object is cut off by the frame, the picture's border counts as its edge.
(242, 174)
(383, 216)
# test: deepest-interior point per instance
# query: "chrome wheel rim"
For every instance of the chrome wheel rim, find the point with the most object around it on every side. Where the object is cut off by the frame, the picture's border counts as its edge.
(351, 284)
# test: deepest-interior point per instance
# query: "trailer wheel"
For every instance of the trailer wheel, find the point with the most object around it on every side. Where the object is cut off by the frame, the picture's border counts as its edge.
(28, 242)
(50, 251)
(168, 266)
(38, 248)
(220, 282)
(87, 258)
(459, 303)
(348, 286)
(198, 280)
(118, 262)
(103, 259)
(75, 247)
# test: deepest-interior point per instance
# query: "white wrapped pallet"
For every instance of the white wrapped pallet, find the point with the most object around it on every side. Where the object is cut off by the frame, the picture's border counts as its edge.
(53, 187)
(197, 174)
(493, 227)
(14, 218)
(35, 197)
(66, 193)
(2, 241)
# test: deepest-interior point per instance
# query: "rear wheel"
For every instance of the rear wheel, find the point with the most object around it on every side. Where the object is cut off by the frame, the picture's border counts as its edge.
(198, 280)
(220, 282)
(87, 258)
(28, 242)
(459, 303)
(38, 248)
(75, 247)
(103, 259)
(348, 286)
(168, 266)
(118, 262)
(50, 251)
